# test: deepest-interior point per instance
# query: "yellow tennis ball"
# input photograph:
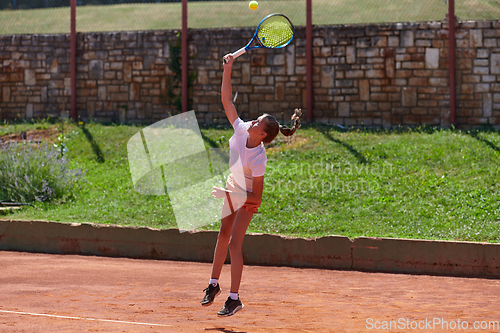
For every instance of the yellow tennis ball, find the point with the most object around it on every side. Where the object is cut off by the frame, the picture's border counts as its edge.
(253, 5)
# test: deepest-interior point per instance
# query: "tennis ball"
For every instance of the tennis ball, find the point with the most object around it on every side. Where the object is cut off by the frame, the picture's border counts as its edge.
(253, 5)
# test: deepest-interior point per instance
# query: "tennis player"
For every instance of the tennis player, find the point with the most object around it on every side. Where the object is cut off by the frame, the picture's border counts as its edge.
(243, 192)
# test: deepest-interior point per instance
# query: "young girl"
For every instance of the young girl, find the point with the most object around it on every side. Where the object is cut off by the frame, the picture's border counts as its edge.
(243, 192)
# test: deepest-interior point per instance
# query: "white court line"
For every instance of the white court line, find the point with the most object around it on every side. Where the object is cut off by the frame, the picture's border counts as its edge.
(83, 318)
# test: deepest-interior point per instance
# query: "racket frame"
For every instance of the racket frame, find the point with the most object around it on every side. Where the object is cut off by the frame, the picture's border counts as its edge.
(260, 45)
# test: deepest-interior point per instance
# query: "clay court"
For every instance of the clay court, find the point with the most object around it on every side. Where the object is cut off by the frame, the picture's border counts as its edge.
(72, 293)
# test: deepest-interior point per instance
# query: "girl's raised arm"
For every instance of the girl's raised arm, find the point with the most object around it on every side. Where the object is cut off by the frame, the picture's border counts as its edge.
(226, 92)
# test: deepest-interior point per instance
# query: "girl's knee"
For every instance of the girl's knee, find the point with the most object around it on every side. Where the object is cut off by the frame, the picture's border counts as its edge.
(234, 247)
(226, 227)
(224, 234)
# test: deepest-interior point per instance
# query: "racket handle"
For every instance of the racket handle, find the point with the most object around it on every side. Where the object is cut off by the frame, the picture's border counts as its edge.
(237, 53)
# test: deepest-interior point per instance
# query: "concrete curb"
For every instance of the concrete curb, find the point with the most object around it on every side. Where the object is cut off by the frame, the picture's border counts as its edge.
(330, 252)
(426, 257)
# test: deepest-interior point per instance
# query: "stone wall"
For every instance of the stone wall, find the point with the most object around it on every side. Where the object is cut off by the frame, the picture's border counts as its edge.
(120, 76)
(382, 75)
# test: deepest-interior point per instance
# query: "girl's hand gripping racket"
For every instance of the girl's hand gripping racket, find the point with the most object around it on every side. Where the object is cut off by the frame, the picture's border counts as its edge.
(274, 31)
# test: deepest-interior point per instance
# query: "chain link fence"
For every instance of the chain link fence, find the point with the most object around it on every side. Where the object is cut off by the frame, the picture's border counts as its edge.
(53, 16)
(477, 9)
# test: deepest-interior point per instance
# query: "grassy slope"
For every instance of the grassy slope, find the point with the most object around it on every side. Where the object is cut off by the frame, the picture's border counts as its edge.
(414, 184)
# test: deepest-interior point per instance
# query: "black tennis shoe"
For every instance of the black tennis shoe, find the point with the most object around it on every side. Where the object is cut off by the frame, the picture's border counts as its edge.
(230, 307)
(211, 293)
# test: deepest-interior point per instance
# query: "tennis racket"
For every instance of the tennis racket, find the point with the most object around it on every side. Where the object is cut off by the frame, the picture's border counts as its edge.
(274, 31)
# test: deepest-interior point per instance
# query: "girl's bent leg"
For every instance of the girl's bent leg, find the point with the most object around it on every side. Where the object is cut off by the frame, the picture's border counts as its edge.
(240, 225)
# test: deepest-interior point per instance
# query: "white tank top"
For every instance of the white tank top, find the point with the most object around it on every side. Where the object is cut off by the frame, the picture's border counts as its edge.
(245, 163)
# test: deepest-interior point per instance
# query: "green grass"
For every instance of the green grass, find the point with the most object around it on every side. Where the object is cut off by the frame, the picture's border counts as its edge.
(218, 14)
(421, 183)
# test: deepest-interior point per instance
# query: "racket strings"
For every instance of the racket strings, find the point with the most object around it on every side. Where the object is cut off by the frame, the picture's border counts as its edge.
(275, 31)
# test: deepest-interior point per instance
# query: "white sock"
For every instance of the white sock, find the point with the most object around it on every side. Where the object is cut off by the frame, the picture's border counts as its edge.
(214, 282)
(234, 296)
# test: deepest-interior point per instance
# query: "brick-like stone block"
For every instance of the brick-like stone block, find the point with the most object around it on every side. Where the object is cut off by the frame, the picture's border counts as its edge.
(466, 88)
(96, 69)
(29, 77)
(476, 38)
(258, 80)
(411, 120)
(432, 58)
(487, 105)
(418, 81)
(53, 65)
(364, 90)
(390, 67)
(413, 65)
(495, 63)
(403, 73)
(418, 57)
(379, 41)
(409, 97)
(375, 73)
(343, 109)
(276, 59)
(56, 84)
(441, 82)
(368, 53)
(393, 41)
(265, 90)
(115, 66)
(6, 94)
(119, 97)
(490, 42)
(407, 38)
(427, 104)
(134, 91)
(350, 54)
(344, 83)
(354, 74)
(290, 60)
(379, 97)
(489, 78)
(29, 111)
(90, 109)
(403, 57)
(280, 91)
(327, 77)
(102, 93)
(257, 60)
(482, 88)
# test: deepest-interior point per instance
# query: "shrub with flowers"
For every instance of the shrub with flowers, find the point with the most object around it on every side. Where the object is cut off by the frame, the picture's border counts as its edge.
(31, 174)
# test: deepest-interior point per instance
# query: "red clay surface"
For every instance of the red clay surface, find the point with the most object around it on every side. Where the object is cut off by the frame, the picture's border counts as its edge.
(95, 294)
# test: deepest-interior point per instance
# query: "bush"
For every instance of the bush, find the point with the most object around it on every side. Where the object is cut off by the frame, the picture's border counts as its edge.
(31, 174)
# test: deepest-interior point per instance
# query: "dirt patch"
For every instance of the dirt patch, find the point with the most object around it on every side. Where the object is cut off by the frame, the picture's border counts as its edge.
(48, 135)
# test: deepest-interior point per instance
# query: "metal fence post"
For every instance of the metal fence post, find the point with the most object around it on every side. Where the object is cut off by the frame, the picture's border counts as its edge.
(184, 64)
(451, 60)
(73, 59)
(309, 71)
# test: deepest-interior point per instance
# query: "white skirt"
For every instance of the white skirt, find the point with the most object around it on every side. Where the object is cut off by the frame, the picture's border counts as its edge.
(233, 202)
